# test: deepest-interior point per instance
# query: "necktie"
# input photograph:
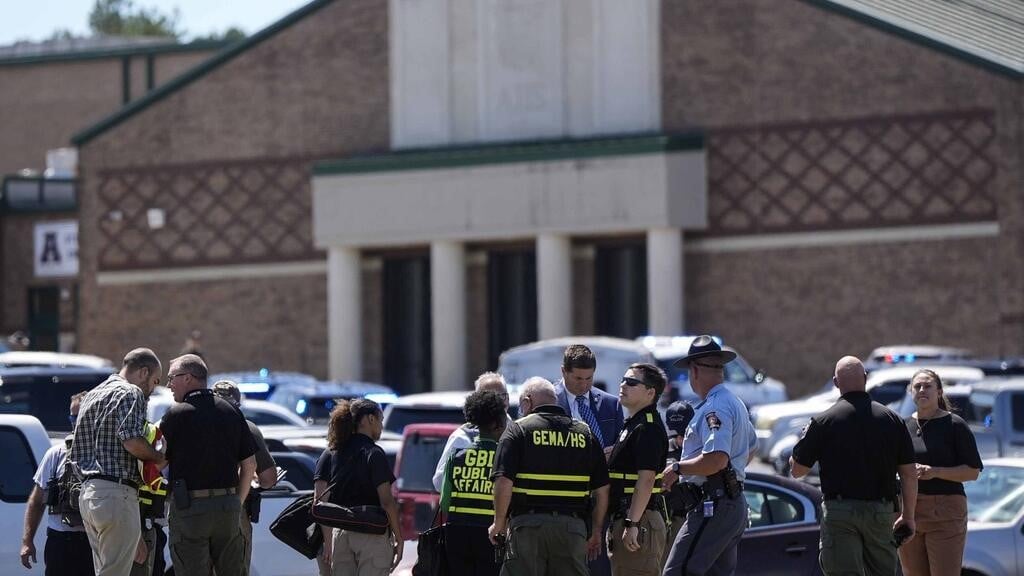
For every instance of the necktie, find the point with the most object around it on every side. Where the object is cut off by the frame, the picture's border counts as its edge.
(588, 416)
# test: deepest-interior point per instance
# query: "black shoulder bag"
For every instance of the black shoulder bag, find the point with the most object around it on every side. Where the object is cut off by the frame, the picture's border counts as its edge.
(364, 519)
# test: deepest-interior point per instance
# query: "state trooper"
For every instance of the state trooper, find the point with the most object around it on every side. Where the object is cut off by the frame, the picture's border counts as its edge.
(636, 538)
(716, 449)
(550, 477)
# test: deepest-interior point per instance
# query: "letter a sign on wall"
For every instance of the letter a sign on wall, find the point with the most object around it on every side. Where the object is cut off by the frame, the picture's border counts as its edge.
(56, 248)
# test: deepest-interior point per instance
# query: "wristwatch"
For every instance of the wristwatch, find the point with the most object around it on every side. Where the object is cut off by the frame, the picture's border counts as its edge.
(675, 468)
(630, 523)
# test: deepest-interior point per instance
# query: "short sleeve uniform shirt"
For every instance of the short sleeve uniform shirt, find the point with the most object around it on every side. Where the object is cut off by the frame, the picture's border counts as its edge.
(720, 424)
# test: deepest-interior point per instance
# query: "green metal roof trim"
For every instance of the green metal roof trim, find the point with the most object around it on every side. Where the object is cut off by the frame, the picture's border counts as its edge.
(986, 33)
(99, 54)
(506, 153)
(195, 73)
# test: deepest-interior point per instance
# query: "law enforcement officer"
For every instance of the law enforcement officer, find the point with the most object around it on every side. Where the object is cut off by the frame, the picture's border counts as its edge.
(210, 450)
(677, 417)
(636, 538)
(716, 449)
(547, 468)
(266, 468)
(109, 443)
(67, 551)
(860, 446)
(467, 490)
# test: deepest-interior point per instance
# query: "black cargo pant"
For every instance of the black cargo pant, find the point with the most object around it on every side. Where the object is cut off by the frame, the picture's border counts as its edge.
(67, 554)
(470, 552)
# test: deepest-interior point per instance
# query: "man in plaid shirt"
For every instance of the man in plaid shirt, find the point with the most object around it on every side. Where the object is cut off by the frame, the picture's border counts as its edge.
(109, 442)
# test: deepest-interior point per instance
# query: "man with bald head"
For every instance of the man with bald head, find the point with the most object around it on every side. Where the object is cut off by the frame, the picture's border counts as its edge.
(464, 436)
(860, 446)
(546, 469)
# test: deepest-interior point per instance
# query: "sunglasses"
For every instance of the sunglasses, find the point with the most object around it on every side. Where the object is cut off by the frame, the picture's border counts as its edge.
(627, 381)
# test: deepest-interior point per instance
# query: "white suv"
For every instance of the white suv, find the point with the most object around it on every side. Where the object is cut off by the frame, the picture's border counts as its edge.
(741, 378)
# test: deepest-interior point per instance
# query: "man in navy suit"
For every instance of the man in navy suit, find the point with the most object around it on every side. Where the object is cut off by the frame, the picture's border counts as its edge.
(598, 409)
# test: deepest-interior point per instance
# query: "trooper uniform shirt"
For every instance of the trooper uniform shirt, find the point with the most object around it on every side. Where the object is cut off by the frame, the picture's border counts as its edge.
(467, 490)
(642, 445)
(206, 439)
(720, 423)
(553, 461)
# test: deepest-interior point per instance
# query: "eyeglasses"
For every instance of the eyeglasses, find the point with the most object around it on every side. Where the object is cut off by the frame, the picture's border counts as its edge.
(702, 365)
(171, 377)
(627, 381)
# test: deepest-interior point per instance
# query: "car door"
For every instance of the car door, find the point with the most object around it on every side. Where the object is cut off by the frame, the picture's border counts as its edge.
(782, 539)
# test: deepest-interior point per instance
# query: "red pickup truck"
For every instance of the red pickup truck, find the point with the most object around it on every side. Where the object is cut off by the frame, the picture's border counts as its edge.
(422, 445)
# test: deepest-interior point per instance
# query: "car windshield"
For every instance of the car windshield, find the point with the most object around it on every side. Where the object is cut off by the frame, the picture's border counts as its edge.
(997, 495)
(418, 460)
(46, 396)
(398, 417)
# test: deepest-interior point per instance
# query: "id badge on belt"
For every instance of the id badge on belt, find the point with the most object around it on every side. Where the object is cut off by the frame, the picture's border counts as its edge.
(709, 508)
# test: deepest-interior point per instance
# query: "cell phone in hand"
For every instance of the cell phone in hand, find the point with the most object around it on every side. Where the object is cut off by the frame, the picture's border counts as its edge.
(900, 535)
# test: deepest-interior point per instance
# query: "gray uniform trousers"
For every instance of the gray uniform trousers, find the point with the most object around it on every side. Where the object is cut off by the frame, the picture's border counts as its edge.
(207, 535)
(708, 545)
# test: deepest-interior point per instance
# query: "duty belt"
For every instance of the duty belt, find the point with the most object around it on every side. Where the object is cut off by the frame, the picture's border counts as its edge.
(114, 479)
(211, 492)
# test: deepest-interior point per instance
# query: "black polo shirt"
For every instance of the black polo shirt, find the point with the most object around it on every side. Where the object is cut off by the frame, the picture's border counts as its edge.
(642, 445)
(859, 445)
(356, 471)
(206, 439)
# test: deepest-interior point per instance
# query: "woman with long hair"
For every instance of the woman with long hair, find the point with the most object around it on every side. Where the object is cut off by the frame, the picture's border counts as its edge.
(353, 471)
(947, 456)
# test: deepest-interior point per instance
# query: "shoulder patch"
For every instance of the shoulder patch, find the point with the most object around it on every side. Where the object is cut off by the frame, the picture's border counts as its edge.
(713, 421)
(650, 418)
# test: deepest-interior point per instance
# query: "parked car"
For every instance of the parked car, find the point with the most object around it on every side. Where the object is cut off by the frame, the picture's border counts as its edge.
(544, 358)
(260, 412)
(995, 514)
(909, 353)
(999, 410)
(314, 400)
(435, 408)
(782, 539)
(259, 384)
(23, 441)
(773, 422)
(312, 441)
(750, 385)
(45, 392)
(54, 359)
(422, 445)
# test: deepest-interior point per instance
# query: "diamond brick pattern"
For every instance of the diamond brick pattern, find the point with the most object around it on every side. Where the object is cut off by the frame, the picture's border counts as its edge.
(214, 214)
(860, 173)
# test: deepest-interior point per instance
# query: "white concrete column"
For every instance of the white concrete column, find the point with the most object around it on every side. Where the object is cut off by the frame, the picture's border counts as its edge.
(554, 286)
(665, 286)
(448, 314)
(344, 314)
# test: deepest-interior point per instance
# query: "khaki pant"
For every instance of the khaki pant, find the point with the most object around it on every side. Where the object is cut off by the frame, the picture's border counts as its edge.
(856, 538)
(358, 554)
(647, 560)
(938, 546)
(546, 545)
(207, 535)
(110, 512)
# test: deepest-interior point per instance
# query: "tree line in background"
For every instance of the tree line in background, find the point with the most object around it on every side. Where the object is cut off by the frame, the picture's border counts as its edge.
(124, 18)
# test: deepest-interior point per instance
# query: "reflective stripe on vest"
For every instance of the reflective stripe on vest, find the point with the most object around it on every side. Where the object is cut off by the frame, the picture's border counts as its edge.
(626, 482)
(472, 499)
(558, 454)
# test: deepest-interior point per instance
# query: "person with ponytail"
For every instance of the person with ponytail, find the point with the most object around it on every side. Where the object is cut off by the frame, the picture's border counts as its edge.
(353, 471)
(947, 456)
